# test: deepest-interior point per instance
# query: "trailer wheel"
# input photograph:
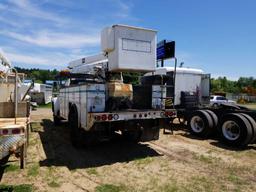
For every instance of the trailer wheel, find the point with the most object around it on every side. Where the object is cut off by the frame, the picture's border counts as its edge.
(214, 117)
(236, 130)
(200, 124)
(253, 125)
(75, 132)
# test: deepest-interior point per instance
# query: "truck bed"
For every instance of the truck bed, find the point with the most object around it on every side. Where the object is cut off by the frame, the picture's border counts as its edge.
(10, 121)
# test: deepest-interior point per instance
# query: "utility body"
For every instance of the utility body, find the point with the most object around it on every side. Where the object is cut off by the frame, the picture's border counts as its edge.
(98, 104)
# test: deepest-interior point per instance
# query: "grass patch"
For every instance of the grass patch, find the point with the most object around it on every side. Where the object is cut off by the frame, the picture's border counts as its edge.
(17, 188)
(49, 105)
(200, 183)
(36, 126)
(53, 184)
(110, 188)
(236, 180)
(92, 171)
(143, 161)
(11, 168)
(33, 170)
(169, 187)
(206, 159)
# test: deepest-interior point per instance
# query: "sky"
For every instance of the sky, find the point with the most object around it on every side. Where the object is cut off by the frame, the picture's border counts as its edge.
(217, 36)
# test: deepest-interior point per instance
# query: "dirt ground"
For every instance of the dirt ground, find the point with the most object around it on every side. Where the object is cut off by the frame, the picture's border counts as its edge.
(177, 162)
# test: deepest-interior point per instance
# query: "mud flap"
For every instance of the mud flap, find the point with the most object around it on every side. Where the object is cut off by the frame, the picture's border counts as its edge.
(149, 134)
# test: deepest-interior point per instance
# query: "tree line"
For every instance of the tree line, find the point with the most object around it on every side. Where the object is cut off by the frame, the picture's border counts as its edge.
(221, 84)
(38, 75)
(242, 85)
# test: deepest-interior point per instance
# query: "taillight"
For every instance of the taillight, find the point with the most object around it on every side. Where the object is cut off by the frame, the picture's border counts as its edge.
(110, 117)
(104, 117)
(16, 131)
(98, 118)
(5, 131)
(169, 113)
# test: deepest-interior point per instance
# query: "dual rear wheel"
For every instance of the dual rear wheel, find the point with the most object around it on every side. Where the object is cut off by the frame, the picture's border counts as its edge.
(236, 129)
(202, 123)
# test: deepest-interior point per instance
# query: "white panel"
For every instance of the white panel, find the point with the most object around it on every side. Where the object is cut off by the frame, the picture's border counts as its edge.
(95, 97)
(134, 49)
(107, 39)
(136, 45)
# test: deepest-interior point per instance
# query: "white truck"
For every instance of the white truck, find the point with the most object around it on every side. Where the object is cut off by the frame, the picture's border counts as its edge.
(97, 103)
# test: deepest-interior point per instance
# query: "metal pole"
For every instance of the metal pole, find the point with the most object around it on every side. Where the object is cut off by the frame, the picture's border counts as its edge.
(15, 96)
(174, 79)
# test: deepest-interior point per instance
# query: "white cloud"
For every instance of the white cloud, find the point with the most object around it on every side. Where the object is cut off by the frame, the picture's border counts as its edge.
(55, 40)
(14, 57)
(11, 22)
(26, 8)
(48, 59)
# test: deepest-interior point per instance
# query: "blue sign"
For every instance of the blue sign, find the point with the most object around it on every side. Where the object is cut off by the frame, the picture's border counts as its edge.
(165, 50)
(160, 52)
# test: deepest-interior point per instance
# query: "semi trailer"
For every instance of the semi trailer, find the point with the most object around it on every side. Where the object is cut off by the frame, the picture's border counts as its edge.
(235, 125)
(97, 103)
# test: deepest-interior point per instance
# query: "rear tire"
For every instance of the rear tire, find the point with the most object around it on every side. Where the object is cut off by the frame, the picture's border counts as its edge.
(201, 124)
(253, 124)
(75, 131)
(215, 105)
(236, 130)
(214, 118)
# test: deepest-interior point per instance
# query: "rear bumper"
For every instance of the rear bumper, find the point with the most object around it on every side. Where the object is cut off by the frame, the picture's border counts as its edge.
(129, 115)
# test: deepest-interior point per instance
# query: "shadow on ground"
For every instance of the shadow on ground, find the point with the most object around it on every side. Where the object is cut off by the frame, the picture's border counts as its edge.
(60, 152)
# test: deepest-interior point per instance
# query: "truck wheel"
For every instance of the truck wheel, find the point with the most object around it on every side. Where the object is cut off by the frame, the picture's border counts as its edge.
(75, 132)
(236, 130)
(214, 117)
(215, 105)
(200, 124)
(253, 124)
